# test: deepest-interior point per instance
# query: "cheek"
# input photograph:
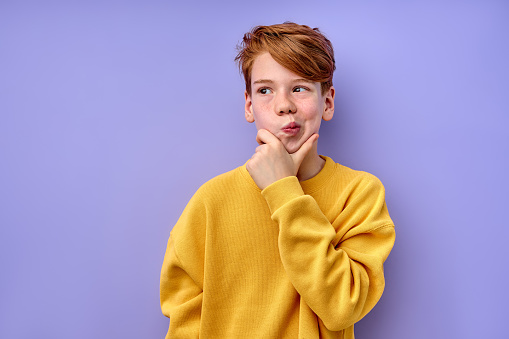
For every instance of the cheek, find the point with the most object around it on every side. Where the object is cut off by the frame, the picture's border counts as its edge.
(313, 116)
(261, 111)
(261, 106)
(312, 111)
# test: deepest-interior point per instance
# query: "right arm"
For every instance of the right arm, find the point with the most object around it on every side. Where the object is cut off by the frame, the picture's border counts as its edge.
(181, 288)
(181, 297)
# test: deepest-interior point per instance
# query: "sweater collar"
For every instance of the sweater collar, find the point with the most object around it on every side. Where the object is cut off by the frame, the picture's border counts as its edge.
(318, 181)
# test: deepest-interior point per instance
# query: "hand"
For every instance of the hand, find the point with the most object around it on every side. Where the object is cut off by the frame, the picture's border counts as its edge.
(272, 162)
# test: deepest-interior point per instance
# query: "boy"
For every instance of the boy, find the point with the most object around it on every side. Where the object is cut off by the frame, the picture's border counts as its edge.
(292, 244)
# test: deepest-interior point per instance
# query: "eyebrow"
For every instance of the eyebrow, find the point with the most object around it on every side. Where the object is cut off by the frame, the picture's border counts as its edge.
(265, 81)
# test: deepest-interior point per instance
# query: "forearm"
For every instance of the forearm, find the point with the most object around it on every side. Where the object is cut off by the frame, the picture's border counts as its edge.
(339, 280)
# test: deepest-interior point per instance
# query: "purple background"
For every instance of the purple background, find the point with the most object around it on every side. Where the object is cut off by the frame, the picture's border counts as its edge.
(113, 113)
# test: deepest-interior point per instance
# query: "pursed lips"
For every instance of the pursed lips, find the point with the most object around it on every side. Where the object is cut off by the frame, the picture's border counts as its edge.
(292, 124)
(292, 128)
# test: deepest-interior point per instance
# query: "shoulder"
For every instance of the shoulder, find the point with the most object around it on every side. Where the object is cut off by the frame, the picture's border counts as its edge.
(362, 195)
(352, 179)
(365, 192)
(204, 202)
(220, 184)
(219, 190)
(366, 179)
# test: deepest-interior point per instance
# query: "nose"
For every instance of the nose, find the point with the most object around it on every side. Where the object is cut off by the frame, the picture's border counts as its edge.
(284, 104)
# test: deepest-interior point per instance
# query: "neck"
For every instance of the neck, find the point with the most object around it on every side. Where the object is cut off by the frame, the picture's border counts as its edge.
(311, 165)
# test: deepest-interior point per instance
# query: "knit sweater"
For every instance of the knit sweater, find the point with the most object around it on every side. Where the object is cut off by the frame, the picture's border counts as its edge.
(295, 260)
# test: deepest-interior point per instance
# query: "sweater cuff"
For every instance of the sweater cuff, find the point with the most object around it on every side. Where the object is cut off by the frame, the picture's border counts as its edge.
(282, 191)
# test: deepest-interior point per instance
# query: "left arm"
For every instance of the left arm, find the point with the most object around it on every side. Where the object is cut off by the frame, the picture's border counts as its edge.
(336, 268)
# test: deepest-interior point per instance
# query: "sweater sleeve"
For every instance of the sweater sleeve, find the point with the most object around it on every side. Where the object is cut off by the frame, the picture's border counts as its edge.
(181, 281)
(336, 267)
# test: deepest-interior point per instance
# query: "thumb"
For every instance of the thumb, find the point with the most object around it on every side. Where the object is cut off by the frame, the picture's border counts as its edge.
(301, 153)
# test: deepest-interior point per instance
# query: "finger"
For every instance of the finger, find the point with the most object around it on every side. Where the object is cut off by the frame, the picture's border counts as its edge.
(301, 153)
(265, 137)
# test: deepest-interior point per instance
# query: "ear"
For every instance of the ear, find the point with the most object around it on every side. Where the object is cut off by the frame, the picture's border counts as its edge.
(248, 107)
(328, 111)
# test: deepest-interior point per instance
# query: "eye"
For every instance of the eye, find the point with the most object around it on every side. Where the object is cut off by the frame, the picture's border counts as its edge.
(264, 90)
(300, 89)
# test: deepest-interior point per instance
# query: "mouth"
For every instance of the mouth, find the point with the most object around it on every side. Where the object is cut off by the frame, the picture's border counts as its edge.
(291, 129)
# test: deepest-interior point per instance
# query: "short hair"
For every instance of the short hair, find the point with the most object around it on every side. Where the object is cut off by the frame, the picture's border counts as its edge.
(303, 50)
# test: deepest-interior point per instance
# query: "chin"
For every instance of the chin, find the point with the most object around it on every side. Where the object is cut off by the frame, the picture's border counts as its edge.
(292, 148)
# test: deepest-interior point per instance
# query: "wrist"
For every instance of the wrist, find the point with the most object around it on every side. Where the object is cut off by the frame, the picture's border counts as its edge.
(282, 191)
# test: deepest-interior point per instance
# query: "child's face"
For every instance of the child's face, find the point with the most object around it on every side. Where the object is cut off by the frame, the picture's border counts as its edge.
(280, 97)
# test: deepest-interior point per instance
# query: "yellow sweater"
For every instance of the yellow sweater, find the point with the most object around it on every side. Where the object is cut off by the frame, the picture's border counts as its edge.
(296, 260)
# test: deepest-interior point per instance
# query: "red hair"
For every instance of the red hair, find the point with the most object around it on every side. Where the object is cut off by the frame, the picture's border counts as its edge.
(303, 50)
